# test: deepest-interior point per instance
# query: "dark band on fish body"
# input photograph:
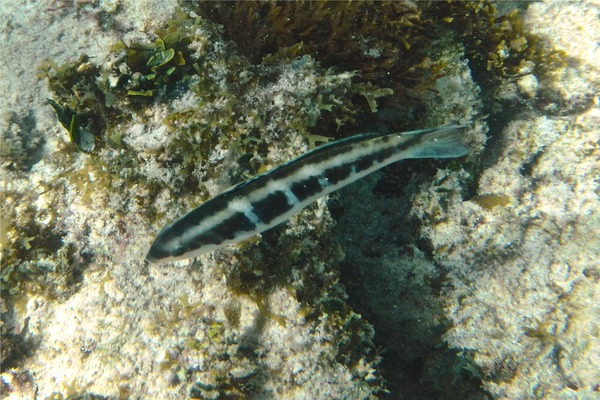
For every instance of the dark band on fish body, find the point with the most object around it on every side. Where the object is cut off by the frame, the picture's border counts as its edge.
(364, 163)
(336, 174)
(270, 207)
(212, 207)
(306, 188)
(226, 229)
(158, 251)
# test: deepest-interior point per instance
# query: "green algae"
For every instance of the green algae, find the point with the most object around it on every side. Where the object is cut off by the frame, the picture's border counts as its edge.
(489, 201)
(386, 42)
(79, 103)
(72, 121)
(338, 34)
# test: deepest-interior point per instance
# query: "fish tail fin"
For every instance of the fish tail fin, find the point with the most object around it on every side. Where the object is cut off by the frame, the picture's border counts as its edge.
(442, 142)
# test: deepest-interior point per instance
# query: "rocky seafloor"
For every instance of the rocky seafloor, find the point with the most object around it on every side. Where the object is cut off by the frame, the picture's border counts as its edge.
(470, 278)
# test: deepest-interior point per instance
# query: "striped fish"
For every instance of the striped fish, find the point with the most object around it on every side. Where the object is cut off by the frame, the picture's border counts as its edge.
(269, 199)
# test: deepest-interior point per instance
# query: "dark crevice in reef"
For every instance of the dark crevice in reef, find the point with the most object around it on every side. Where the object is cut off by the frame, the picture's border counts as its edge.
(382, 279)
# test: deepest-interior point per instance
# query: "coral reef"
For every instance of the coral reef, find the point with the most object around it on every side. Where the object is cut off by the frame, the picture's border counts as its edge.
(477, 275)
(523, 274)
(390, 277)
(512, 282)
(150, 128)
(520, 255)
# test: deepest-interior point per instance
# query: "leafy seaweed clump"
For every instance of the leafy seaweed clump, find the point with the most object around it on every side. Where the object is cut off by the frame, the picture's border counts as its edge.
(90, 99)
(497, 43)
(161, 67)
(388, 42)
(380, 40)
(80, 103)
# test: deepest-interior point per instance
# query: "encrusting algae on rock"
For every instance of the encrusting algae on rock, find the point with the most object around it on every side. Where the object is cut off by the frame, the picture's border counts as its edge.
(161, 146)
(168, 107)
